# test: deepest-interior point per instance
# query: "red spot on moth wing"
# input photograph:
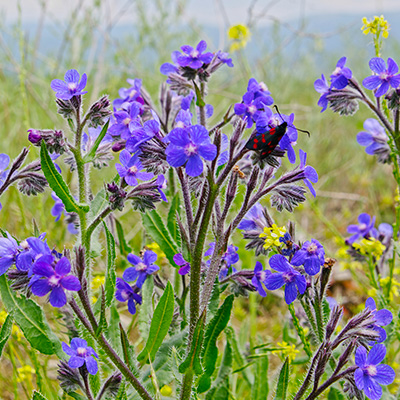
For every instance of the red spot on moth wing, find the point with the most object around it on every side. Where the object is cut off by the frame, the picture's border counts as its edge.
(272, 131)
(255, 146)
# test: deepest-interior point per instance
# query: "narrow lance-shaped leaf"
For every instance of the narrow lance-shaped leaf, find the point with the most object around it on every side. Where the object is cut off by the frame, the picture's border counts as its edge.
(260, 387)
(155, 227)
(92, 152)
(123, 246)
(57, 183)
(172, 223)
(103, 322)
(192, 360)
(160, 324)
(110, 273)
(30, 318)
(210, 350)
(283, 382)
(5, 332)
(335, 394)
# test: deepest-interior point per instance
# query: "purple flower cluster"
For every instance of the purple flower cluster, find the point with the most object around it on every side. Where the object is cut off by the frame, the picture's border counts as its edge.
(143, 267)
(339, 80)
(366, 229)
(374, 139)
(131, 168)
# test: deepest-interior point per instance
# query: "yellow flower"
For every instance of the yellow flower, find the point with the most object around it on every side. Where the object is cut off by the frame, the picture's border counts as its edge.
(25, 373)
(370, 247)
(272, 236)
(97, 281)
(166, 391)
(239, 35)
(376, 26)
(394, 287)
(3, 316)
(287, 350)
(156, 248)
(372, 292)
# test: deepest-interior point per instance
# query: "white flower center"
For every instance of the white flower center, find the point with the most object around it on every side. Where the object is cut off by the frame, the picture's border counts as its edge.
(362, 227)
(190, 149)
(263, 87)
(125, 294)
(131, 94)
(81, 351)
(179, 124)
(24, 244)
(252, 109)
(126, 121)
(72, 86)
(261, 275)
(141, 266)
(194, 53)
(371, 370)
(337, 71)
(383, 75)
(312, 248)
(133, 169)
(54, 280)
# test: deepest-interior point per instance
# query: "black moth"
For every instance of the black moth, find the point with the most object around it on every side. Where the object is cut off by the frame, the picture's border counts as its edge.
(265, 143)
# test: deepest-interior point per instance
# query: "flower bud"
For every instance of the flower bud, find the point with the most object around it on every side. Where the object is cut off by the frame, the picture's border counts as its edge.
(34, 137)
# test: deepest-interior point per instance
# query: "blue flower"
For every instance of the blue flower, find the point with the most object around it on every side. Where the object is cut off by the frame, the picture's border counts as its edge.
(162, 184)
(287, 276)
(142, 134)
(194, 58)
(249, 109)
(259, 278)
(224, 58)
(382, 318)
(71, 87)
(8, 252)
(142, 267)
(185, 266)
(364, 229)
(321, 86)
(385, 76)
(254, 219)
(58, 210)
(341, 75)
(291, 247)
(311, 255)
(81, 354)
(125, 122)
(310, 174)
(260, 91)
(371, 373)
(4, 162)
(187, 146)
(55, 280)
(129, 95)
(374, 138)
(130, 168)
(125, 293)
(88, 139)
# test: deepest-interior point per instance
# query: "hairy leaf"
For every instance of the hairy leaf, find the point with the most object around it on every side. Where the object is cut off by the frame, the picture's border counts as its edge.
(210, 350)
(123, 246)
(260, 387)
(31, 319)
(57, 183)
(283, 382)
(5, 332)
(92, 152)
(155, 227)
(172, 224)
(38, 396)
(160, 324)
(110, 273)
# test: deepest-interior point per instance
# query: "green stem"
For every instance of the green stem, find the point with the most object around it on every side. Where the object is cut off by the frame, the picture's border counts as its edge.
(318, 316)
(300, 331)
(310, 316)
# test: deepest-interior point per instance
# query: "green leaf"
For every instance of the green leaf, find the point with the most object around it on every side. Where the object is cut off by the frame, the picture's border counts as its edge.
(103, 321)
(260, 387)
(160, 324)
(283, 382)
(92, 152)
(38, 396)
(155, 227)
(31, 319)
(192, 360)
(145, 310)
(335, 394)
(57, 183)
(110, 273)
(5, 332)
(123, 246)
(209, 353)
(220, 388)
(127, 349)
(172, 224)
(199, 99)
(76, 396)
(98, 204)
(113, 332)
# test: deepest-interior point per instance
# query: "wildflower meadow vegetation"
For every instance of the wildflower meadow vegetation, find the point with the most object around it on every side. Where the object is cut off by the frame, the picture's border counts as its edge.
(89, 311)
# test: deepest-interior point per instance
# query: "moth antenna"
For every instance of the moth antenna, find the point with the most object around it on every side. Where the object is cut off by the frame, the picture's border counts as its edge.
(301, 130)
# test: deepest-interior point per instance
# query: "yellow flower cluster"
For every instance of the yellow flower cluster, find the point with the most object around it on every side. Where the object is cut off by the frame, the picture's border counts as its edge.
(25, 373)
(97, 281)
(371, 246)
(394, 287)
(156, 248)
(287, 350)
(239, 35)
(272, 236)
(376, 26)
